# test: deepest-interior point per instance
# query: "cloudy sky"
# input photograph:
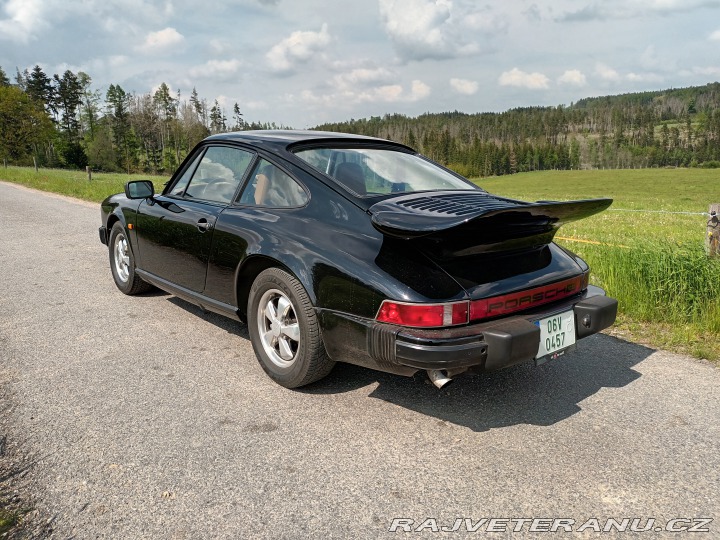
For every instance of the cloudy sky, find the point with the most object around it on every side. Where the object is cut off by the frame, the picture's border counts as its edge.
(304, 62)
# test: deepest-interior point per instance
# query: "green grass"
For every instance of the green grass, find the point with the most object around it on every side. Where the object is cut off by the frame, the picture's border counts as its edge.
(8, 520)
(75, 183)
(653, 263)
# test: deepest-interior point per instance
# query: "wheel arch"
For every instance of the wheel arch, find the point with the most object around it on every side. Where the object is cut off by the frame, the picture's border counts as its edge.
(250, 268)
(114, 217)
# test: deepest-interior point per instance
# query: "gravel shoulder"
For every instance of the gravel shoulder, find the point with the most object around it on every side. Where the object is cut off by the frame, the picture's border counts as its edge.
(145, 418)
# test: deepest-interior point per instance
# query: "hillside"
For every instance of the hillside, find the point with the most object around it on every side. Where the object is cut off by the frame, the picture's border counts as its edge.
(675, 127)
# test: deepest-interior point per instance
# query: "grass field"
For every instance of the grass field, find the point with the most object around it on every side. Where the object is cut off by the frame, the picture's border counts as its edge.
(652, 260)
(75, 183)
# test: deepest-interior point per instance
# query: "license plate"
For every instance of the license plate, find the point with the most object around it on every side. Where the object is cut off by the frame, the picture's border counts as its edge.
(557, 333)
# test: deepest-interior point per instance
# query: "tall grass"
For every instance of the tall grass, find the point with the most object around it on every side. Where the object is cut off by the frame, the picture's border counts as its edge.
(661, 282)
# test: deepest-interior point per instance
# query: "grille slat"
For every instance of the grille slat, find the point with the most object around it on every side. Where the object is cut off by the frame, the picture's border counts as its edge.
(457, 204)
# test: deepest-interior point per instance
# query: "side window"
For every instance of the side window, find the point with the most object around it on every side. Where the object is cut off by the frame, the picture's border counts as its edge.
(270, 186)
(179, 188)
(219, 173)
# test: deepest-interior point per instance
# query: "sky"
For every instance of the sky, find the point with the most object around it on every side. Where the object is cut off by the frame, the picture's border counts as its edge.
(301, 63)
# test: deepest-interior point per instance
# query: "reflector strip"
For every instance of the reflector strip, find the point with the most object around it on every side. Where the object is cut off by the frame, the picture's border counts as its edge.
(510, 303)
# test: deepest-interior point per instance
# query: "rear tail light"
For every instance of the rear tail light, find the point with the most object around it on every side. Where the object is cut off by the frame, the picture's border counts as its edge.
(423, 315)
(457, 313)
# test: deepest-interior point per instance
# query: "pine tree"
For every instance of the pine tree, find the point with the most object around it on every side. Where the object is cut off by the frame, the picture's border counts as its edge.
(68, 97)
(4, 81)
(40, 88)
(238, 117)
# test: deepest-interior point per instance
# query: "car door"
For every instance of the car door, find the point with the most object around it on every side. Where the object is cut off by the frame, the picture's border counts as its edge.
(175, 229)
(260, 222)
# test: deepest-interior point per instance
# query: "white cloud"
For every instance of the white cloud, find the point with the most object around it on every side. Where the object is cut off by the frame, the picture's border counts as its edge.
(606, 72)
(219, 46)
(643, 77)
(298, 48)
(24, 20)
(628, 9)
(649, 59)
(256, 105)
(711, 71)
(715, 36)
(117, 60)
(216, 69)
(162, 41)
(436, 29)
(419, 90)
(516, 77)
(573, 77)
(389, 93)
(464, 86)
(362, 77)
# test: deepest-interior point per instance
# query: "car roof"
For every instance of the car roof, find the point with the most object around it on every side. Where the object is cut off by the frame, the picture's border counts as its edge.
(283, 138)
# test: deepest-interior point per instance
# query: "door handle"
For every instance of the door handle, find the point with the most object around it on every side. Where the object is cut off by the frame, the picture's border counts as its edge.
(203, 225)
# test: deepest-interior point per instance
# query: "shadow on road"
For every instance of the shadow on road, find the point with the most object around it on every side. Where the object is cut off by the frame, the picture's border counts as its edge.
(522, 394)
(229, 325)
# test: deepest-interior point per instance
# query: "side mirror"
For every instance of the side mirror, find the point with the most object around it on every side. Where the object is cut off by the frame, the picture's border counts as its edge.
(139, 189)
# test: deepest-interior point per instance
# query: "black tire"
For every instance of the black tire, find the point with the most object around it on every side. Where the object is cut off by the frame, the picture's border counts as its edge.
(123, 269)
(288, 361)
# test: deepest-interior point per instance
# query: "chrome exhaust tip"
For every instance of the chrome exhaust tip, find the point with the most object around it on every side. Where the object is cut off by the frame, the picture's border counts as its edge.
(438, 377)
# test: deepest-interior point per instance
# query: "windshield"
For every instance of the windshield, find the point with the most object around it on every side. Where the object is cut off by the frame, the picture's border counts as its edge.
(370, 172)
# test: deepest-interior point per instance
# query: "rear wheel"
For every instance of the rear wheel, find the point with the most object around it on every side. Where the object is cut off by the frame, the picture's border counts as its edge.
(284, 330)
(122, 263)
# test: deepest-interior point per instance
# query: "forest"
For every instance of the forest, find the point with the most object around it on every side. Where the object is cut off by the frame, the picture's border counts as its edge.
(61, 121)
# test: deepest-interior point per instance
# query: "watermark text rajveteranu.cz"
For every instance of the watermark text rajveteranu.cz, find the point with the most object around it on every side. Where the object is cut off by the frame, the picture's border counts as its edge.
(504, 525)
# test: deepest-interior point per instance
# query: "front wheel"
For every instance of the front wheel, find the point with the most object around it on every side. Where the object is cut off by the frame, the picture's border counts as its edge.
(284, 330)
(122, 263)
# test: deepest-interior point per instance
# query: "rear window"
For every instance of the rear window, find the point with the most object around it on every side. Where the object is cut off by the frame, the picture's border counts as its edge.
(369, 172)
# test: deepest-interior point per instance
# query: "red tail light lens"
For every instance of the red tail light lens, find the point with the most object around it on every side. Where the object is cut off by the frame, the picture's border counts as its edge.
(423, 315)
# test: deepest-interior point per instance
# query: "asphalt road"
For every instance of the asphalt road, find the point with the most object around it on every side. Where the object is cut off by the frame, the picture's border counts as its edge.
(153, 420)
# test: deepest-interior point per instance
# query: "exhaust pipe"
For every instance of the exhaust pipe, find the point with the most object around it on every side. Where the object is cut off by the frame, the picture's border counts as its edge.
(439, 377)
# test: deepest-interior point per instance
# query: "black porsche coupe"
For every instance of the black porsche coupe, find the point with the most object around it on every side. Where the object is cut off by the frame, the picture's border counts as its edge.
(341, 248)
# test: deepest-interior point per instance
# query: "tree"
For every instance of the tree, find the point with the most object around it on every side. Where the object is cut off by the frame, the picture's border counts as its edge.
(4, 81)
(40, 88)
(100, 151)
(199, 106)
(218, 121)
(167, 110)
(238, 117)
(68, 94)
(21, 79)
(90, 108)
(23, 124)
(117, 111)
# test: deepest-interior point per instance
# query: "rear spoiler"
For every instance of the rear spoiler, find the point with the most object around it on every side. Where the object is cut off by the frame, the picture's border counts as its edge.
(457, 223)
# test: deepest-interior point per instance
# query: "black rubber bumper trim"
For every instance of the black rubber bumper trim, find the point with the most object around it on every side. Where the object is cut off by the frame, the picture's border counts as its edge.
(103, 235)
(456, 355)
(485, 346)
(594, 314)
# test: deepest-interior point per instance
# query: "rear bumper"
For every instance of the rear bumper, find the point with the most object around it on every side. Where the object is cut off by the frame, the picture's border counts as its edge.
(484, 346)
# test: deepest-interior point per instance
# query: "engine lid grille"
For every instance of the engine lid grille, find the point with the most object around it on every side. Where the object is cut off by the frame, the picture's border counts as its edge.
(457, 204)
